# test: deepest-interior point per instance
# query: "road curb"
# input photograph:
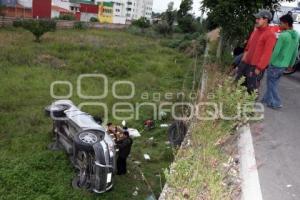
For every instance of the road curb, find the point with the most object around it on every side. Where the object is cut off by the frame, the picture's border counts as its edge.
(251, 189)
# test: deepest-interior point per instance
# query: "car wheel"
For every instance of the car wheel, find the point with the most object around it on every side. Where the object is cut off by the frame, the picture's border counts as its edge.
(177, 132)
(85, 140)
(56, 110)
(81, 180)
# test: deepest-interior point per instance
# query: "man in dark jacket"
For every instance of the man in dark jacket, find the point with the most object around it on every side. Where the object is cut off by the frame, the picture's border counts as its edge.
(124, 146)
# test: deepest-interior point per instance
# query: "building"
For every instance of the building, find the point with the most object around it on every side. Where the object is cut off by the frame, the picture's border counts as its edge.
(88, 11)
(107, 11)
(41, 9)
(120, 11)
(57, 11)
(14, 8)
(136, 9)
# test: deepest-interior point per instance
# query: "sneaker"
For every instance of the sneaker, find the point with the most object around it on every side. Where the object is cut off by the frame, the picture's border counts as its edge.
(275, 107)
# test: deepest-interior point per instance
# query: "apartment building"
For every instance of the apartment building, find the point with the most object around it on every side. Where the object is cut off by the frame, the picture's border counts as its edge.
(130, 9)
(136, 9)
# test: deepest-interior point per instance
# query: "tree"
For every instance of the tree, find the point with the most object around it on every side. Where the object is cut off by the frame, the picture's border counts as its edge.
(37, 27)
(185, 7)
(235, 17)
(163, 28)
(142, 23)
(2, 13)
(170, 14)
(186, 21)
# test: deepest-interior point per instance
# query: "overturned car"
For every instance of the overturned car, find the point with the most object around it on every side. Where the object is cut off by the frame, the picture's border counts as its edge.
(90, 147)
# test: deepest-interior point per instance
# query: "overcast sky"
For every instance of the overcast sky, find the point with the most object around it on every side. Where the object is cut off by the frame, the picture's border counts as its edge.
(289, 3)
(162, 5)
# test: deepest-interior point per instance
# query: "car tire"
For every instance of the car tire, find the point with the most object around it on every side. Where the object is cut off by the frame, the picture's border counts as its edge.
(177, 132)
(85, 140)
(56, 110)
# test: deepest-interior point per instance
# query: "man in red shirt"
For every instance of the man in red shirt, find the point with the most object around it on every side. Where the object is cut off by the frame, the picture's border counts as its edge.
(258, 51)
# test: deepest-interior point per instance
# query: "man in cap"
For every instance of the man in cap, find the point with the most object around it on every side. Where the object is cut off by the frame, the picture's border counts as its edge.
(258, 51)
(284, 56)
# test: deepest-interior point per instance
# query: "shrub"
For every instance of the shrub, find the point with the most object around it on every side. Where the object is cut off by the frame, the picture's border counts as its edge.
(66, 17)
(37, 27)
(80, 26)
(187, 24)
(142, 23)
(2, 13)
(94, 19)
(189, 43)
(163, 28)
(17, 23)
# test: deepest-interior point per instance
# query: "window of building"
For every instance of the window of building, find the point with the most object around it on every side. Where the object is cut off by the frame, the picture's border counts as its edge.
(129, 3)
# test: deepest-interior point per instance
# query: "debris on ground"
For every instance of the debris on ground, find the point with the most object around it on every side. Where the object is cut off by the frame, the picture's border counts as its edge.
(151, 197)
(137, 162)
(135, 193)
(149, 124)
(164, 125)
(133, 133)
(147, 157)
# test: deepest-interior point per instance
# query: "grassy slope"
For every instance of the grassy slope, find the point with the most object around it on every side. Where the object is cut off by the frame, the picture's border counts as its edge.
(27, 169)
(208, 178)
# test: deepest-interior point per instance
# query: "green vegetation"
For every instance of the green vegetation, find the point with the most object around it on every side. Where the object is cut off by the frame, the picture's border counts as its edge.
(38, 27)
(94, 19)
(236, 17)
(198, 171)
(28, 170)
(2, 13)
(69, 17)
(142, 23)
(80, 25)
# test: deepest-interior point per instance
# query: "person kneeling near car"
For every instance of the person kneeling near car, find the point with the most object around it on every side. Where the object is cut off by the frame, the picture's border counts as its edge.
(124, 146)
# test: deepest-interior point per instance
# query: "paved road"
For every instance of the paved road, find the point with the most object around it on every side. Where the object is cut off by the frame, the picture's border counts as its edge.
(277, 145)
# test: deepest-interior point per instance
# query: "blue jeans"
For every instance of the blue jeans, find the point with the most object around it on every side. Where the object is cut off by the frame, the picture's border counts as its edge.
(271, 97)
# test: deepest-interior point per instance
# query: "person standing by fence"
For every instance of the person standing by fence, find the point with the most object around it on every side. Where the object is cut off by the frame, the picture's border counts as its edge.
(258, 52)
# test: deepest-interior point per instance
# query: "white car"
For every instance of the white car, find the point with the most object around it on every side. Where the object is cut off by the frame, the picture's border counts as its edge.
(90, 147)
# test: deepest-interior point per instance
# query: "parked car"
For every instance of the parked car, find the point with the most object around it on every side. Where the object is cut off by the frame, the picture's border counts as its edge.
(90, 148)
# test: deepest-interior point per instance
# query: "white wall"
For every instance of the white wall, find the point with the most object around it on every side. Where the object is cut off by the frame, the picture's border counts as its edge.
(54, 13)
(62, 3)
(85, 17)
(25, 3)
(119, 20)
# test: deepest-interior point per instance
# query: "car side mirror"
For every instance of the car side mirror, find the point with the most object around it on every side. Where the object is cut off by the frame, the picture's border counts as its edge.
(98, 120)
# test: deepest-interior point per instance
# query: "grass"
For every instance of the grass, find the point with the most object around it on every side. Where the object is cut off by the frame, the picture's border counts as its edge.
(28, 170)
(198, 171)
